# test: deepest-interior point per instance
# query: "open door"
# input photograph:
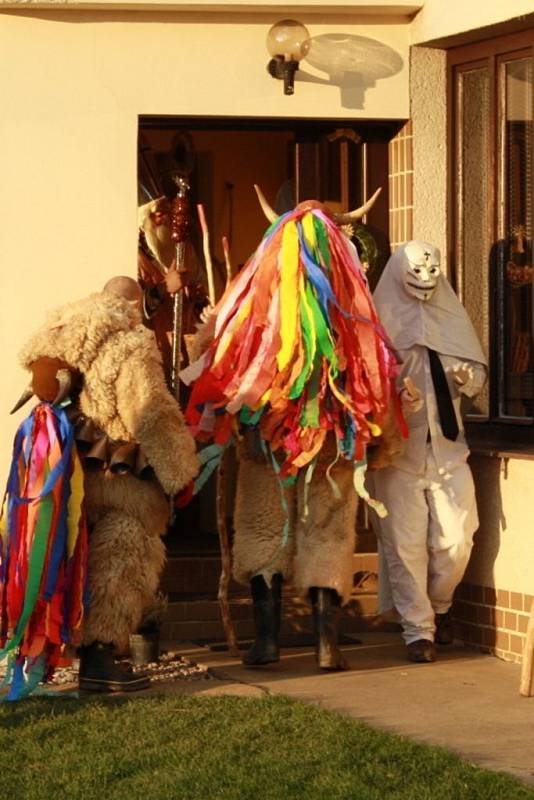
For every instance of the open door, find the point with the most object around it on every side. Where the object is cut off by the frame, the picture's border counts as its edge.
(342, 166)
(339, 163)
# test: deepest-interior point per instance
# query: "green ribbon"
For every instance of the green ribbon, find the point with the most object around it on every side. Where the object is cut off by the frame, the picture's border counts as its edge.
(324, 340)
(309, 341)
(310, 413)
(322, 240)
(35, 571)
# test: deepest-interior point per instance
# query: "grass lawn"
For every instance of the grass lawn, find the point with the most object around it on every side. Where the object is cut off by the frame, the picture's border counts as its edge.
(162, 748)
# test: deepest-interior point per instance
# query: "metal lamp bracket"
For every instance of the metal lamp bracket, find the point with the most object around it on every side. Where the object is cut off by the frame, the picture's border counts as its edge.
(284, 70)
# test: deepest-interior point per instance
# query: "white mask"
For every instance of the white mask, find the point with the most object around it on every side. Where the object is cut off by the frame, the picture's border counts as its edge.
(421, 269)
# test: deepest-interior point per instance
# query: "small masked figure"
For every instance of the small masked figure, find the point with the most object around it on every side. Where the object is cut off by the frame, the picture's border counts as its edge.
(426, 539)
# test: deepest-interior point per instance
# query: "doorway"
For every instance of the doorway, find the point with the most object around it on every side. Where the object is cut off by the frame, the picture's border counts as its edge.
(338, 162)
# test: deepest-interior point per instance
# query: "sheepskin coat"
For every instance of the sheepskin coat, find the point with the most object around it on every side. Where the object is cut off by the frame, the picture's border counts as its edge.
(322, 526)
(124, 393)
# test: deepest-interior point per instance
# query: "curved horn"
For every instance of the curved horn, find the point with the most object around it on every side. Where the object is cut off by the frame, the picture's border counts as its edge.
(358, 213)
(64, 378)
(23, 399)
(266, 208)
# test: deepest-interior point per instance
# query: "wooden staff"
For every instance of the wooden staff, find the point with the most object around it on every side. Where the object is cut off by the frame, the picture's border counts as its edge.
(180, 219)
(222, 527)
(207, 253)
(226, 559)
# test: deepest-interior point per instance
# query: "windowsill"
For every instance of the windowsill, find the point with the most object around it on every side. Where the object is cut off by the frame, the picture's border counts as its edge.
(524, 452)
(495, 440)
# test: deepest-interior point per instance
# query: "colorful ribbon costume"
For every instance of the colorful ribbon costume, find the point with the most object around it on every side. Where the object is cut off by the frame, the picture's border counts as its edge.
(298, 352)
(43, 550)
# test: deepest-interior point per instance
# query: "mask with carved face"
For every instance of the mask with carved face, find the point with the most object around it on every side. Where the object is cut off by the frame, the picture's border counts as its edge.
(421, 269)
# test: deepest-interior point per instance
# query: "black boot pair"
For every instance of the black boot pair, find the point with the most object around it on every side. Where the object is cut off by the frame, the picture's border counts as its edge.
(267, 603)
(99, 671)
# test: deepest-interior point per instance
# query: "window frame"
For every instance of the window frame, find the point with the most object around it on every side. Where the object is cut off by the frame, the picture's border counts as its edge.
(494, 432)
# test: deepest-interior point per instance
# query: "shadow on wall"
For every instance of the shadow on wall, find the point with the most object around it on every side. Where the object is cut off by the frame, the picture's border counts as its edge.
(487, 477)
(487, 540)
(354, 63)
(488, 474)
(479, 591)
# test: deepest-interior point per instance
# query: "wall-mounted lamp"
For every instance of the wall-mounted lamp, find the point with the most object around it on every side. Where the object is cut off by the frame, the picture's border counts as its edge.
(288, 41)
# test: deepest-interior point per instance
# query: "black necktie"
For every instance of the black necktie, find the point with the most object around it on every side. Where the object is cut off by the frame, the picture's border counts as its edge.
(447, 415)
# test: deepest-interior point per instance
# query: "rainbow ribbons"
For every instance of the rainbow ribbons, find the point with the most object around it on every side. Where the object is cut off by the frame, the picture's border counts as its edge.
(298, 352)
(43, 550)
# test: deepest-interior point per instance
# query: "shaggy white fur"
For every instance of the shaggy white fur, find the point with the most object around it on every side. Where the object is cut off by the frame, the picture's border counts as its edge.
(125, 394)
(321, 544)
(259, 519)
(326, 536)
(202, 338)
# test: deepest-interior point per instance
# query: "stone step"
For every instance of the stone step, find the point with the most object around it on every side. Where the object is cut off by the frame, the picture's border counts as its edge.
(198, 619)
(200, 574)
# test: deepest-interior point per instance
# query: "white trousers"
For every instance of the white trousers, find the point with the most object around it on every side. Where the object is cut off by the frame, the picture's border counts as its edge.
(424, 542)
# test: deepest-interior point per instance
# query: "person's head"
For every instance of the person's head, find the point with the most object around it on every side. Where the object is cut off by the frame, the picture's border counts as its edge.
(420, 269)
(154, 222)
(125, 287)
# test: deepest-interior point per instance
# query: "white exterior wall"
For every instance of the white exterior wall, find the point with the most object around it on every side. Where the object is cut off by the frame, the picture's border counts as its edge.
(73, 84)
(429, 119)
(504, 555)
(440, 18)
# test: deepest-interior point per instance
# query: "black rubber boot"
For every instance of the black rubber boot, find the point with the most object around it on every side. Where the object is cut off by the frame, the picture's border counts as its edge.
(267, 614)
(100, 673)
(326, 607)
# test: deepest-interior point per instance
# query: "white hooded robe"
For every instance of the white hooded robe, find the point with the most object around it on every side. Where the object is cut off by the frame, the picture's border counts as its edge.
(425, 542)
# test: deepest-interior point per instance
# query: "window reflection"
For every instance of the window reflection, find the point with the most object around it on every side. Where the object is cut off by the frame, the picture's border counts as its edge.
(517, 368)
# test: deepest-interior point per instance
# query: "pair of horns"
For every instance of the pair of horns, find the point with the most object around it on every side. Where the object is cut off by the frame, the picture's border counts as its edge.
(339, 219)
(64, 379)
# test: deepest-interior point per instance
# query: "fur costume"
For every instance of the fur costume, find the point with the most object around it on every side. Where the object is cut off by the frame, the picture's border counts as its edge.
(299, 360)
(122, 393)
(322, 533)
(301, 373)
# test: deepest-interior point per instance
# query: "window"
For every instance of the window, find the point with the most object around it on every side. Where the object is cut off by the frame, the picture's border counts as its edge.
(491, 91)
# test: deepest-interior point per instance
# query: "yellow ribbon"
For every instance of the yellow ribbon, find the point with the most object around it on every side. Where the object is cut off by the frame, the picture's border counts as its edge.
(229, 334)
(309, 231)
(289, 265)
(74, 507)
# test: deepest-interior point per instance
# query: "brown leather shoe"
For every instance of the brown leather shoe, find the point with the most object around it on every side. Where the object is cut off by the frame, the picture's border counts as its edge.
(444, 630)
(421, 652)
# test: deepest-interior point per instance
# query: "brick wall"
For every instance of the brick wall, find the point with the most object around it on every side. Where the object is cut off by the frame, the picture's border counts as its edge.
(495, 620)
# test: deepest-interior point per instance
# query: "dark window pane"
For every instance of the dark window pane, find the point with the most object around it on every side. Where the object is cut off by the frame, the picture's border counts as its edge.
(516, 368)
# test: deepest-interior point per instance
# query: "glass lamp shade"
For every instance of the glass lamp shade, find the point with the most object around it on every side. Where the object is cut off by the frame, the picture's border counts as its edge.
(288, 39)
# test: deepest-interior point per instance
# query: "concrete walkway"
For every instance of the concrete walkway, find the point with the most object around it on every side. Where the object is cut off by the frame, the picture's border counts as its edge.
(467, 702)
